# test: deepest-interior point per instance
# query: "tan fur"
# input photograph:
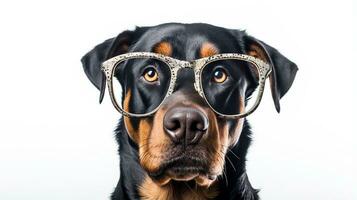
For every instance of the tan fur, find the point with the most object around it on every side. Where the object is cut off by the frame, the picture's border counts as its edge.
(146, 158)
(163, 48)
(238, 128)
(237, 131)
(217, 143)
(180, 191)
(208, 49)
(129, 127)
(152, 142)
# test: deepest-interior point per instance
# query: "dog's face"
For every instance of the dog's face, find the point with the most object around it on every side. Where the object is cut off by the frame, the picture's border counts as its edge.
(185, 139)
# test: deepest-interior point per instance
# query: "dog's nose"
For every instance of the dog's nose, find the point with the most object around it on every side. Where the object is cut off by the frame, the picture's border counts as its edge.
(185, 125)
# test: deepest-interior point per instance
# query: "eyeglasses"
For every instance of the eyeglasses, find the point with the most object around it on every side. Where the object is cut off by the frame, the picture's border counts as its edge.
(219, 81)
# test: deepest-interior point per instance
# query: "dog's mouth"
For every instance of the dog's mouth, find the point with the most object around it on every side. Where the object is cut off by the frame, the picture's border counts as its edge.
(184, 168)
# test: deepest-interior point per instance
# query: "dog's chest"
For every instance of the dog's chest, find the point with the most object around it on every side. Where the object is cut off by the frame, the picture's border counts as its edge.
(148, 190)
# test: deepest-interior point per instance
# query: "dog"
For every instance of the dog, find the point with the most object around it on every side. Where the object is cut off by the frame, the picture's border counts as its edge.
(203, 162)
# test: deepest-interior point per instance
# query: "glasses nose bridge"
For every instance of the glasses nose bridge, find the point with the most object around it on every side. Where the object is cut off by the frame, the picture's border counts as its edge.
(180, 64)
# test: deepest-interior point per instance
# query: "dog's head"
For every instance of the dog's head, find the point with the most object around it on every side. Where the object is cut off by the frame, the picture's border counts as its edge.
(185, 139)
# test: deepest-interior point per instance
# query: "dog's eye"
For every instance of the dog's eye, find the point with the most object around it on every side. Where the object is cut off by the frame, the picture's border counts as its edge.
(219, 75)
(150, 74)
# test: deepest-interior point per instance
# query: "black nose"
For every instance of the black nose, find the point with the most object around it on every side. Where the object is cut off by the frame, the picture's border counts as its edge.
(185, 125)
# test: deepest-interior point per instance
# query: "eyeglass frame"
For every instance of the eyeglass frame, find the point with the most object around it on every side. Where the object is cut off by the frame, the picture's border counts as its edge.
(109, 66)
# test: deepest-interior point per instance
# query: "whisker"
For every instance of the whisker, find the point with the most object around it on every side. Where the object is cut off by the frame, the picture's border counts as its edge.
(231, 151)
(229, 160)
(191, 188)
(225, 175)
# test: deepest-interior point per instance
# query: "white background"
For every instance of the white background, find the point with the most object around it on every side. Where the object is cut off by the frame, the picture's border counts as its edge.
(56, 141)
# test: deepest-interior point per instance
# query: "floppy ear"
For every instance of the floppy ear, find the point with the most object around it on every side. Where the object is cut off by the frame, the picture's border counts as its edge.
(92, 60)
(283, 70)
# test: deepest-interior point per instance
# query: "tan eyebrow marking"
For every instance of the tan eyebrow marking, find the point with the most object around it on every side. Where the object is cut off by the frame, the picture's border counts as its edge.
(164, 48)
(208, 49)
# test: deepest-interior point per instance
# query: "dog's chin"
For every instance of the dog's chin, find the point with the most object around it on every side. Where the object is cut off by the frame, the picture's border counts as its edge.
(182, 172)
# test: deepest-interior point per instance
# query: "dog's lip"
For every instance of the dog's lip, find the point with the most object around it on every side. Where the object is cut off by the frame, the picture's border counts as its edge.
(183, 175)
(202, 180)
(180, 163)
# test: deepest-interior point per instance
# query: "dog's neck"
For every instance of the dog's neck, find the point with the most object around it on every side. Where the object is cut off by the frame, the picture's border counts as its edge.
(134, 184)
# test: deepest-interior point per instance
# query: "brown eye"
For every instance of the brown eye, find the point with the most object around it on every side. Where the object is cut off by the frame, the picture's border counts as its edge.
(150, 74)
(219, 75)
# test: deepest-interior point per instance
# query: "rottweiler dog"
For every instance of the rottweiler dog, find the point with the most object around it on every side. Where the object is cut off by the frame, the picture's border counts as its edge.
(185, 150)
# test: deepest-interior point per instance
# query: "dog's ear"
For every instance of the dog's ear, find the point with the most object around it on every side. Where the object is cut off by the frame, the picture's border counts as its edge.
(283, 70)
(112, 47)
